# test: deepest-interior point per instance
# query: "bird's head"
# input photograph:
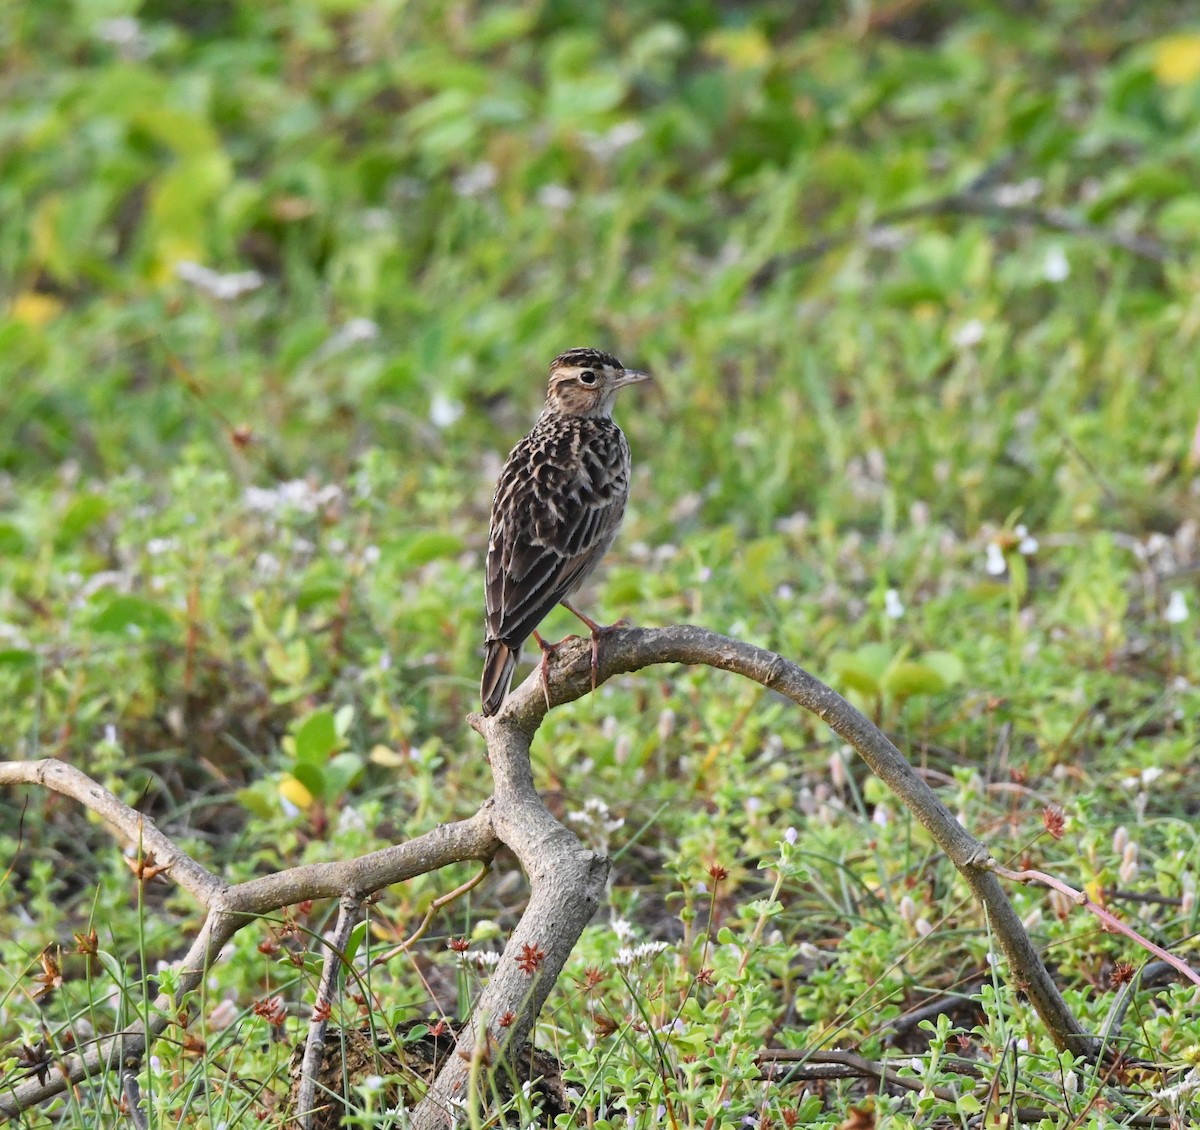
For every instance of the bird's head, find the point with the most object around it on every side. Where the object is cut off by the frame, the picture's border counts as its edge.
(584, 382)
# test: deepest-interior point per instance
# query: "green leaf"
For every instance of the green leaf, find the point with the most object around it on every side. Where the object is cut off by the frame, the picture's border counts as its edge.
(85, 512)
(316, 738)
(12, 541)
(952, 669)
(913, 677)
(355, 941)
(18, 658)
(131, 615)
(862, 670)
(310, 776)
(341, 773)
(422, 548)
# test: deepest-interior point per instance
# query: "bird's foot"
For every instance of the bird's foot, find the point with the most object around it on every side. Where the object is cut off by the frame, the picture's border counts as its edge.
(548, 649)
(597, 631)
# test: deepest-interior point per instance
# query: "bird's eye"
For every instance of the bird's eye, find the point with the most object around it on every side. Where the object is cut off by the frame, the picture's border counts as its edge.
(587, 377)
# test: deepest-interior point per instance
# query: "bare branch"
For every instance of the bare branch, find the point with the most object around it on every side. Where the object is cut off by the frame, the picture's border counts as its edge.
(969, 203)
(1111, 922)
(314, 1046)
(632, 649)
(127, 823)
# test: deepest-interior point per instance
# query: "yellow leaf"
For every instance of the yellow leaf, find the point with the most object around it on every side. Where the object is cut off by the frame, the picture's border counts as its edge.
(741, 48)
(386, 756)
(34, 309)
(292, 790)
(1177, 59)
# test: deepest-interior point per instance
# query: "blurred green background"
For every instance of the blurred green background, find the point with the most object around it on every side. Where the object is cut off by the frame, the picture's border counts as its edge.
(278, 287)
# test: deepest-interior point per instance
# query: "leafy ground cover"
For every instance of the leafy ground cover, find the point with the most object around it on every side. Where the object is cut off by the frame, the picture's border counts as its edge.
(919, 284)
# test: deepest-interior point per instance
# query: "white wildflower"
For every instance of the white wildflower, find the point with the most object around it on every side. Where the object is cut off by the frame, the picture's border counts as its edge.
(476, 181)
(791, 835)
(443, 412)
(224, 288)
(267, 566)
(969, 334)
(1019, 194)
(556, 197)
(635, 955)
(608, 145)
(1027, 546)
(893, 606)
(1177, 609)
(1129, 863)
(995, 564)
(1055, 267)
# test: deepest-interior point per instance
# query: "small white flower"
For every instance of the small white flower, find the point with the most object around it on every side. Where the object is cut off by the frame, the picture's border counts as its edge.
(1019, 194)
(621, 136)
(1177, 609)
(893, 606)
(556, 197)
(1028, 545)
(995, 565)
(476, 181)
(970, 333)
(704, 574)
(791, 835)
(1056, 268)
(443, 411)
(1120, 839)
(923, 927)
(785, 592)
(267, 566)
(110, 733)
(373, 1083)
(224, 288)
(1129, 863)
(155, 1064)
(881, 817)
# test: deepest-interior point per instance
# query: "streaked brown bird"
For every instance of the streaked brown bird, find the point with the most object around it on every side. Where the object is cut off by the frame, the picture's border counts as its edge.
(557, 507)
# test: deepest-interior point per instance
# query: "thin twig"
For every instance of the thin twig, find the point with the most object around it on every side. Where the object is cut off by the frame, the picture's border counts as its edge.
(1111, 922)
(968, 203)
(434, 907)
(133, 1100)
(314, 1045)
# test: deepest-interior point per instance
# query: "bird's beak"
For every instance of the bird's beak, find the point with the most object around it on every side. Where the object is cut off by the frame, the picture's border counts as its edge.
(631, 377)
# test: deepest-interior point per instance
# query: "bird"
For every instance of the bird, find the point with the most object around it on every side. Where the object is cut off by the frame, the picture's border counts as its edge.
(558, 504)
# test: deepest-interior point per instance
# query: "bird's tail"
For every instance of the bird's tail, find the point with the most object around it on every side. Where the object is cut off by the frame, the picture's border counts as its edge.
(499, 662)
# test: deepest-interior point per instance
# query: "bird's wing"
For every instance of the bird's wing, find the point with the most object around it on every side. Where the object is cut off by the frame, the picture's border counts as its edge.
(549, 530)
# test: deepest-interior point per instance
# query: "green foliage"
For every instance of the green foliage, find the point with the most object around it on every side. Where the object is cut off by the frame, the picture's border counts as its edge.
(279, 285)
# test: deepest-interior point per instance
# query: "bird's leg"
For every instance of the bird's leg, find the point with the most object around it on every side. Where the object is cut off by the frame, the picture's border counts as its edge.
(548, 650)
(597, 631)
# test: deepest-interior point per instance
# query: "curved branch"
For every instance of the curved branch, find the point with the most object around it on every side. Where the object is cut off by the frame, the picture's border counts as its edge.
(136, 829)
(631, 649)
